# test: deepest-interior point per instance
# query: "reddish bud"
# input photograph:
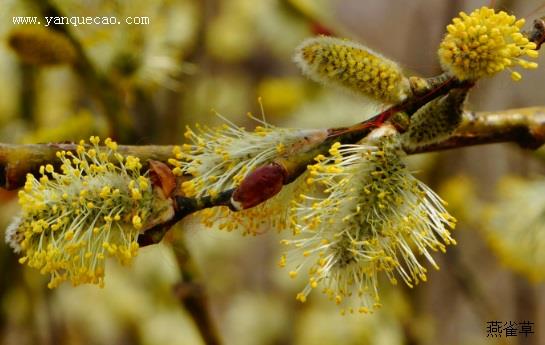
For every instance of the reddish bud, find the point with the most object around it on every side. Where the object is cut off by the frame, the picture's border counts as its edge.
(318, 28)
(259, 186)
(162, 177)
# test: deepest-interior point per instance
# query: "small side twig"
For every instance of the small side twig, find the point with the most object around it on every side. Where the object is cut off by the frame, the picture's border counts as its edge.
(183, 207)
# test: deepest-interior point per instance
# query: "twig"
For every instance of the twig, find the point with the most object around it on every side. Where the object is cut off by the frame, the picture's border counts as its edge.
(525, 126)
(184, 207)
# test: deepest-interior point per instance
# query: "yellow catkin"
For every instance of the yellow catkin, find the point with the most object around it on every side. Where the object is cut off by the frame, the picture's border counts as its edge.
(41, 46)
(352, 66)
(484, 43)
(72, 219)
(220, 158)
(364, 216)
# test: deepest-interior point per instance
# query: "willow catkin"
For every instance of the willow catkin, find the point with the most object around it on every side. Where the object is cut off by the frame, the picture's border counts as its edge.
(435, 121)
(352, 66)
(484, 43)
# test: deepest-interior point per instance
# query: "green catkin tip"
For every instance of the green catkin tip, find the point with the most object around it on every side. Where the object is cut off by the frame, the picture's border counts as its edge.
(352, 66)
(400, 120)
(435, 121)
(40, 46)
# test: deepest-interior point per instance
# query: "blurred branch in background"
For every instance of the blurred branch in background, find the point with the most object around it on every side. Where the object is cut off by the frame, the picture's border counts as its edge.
(28, 93)
(101, 87)
(470, 286)
(124, 87)
(191, 293)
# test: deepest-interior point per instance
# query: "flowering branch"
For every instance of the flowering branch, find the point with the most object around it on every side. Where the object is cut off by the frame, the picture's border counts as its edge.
(18, 160)
(525, 126)
(357, 212)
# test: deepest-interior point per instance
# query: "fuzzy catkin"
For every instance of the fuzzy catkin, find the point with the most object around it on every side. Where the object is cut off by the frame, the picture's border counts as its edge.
(93, 208)
(353, 67)
(436, 120)
(484, 43)
(363, 216)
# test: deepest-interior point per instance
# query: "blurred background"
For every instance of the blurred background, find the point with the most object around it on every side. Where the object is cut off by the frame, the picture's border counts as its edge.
(143, 84)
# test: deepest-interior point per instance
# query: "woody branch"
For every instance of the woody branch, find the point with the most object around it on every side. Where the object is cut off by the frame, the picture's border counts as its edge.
(524, 126)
